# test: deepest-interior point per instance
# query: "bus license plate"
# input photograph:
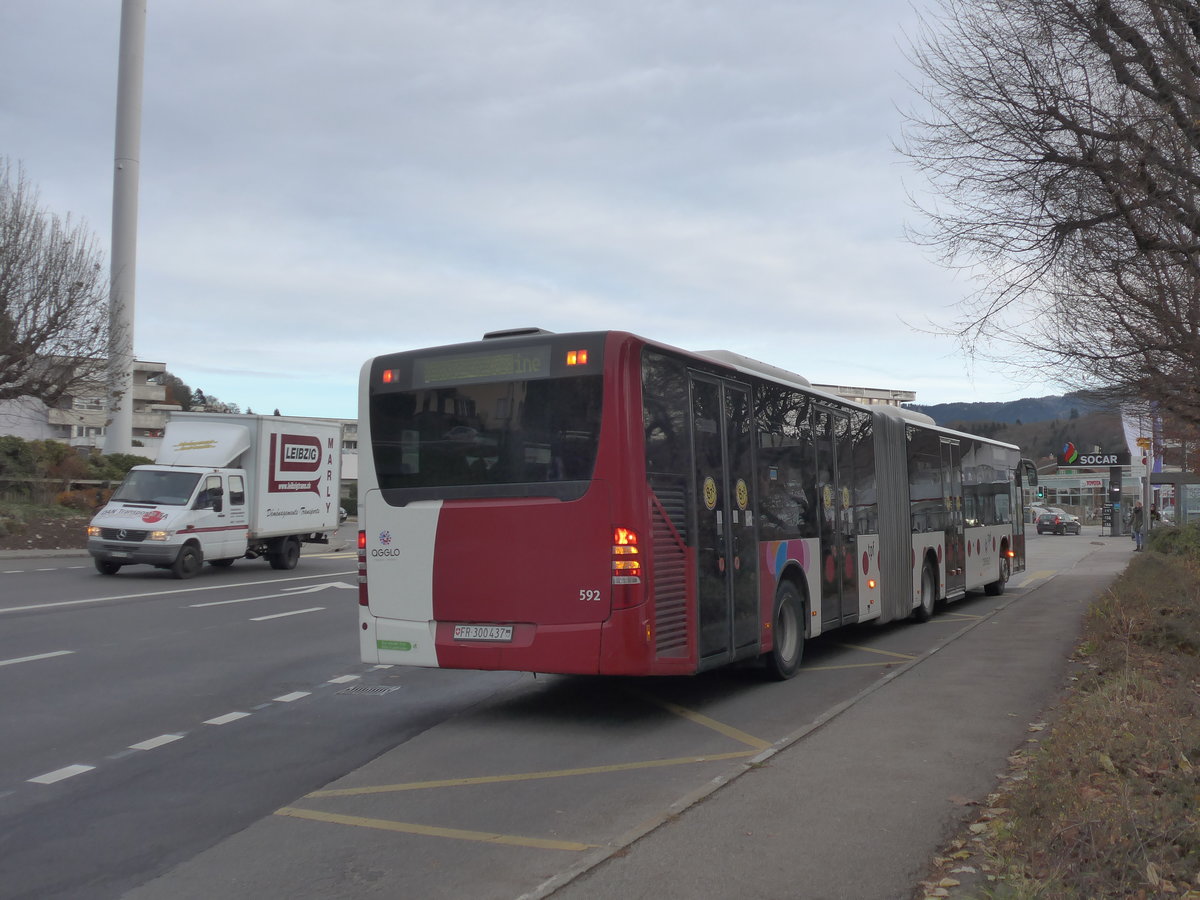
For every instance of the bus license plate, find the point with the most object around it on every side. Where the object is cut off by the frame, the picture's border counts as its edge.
(483, 632)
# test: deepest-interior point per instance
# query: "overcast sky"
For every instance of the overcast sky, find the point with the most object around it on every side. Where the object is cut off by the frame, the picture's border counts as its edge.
(326, 180)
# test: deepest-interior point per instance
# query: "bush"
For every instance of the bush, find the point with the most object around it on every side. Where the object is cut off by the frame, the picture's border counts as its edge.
(1183, 540)
(88, 500)
(114, 466)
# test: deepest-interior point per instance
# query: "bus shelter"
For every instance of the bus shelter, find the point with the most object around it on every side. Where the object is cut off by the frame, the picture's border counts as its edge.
(1184, 489)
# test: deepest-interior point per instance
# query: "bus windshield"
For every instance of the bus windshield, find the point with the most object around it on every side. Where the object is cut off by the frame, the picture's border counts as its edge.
(494, 433)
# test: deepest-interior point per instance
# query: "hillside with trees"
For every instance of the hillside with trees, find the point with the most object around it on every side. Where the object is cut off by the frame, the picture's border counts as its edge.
(1039, 426)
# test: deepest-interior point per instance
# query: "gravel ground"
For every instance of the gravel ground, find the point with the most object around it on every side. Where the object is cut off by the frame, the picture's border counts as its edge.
(48, 533)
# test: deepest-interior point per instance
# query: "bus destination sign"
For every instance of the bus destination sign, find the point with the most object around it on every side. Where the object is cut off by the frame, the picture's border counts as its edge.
(474, 368)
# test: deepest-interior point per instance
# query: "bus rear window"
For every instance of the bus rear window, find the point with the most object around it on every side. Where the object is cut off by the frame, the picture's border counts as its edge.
(495, 433)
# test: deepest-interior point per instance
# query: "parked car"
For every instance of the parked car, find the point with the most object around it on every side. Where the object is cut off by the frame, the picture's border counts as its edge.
(1058, 523)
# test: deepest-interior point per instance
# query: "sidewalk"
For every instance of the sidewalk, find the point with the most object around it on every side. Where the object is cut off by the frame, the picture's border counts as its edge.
(857, 808)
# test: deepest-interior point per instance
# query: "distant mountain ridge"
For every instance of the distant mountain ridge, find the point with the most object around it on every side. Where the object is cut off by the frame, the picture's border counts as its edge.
(1040, 426)
(1030, 409)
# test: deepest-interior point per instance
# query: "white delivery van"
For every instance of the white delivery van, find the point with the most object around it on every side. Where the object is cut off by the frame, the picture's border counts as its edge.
(224, 487)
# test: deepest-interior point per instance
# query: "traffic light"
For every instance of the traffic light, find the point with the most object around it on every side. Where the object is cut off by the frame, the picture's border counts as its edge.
(1041, 492)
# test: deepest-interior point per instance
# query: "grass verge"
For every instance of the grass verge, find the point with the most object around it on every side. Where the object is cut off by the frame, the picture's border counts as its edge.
(1107, 803)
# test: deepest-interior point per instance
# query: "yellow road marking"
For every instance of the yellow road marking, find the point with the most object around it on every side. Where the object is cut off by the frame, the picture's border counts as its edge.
(873, 665)
(700, 719)
(459, 834)
(880, 652)
(527, 776)
(1040, 575)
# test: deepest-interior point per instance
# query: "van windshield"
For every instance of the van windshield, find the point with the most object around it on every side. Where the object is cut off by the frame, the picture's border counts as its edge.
(157, 486)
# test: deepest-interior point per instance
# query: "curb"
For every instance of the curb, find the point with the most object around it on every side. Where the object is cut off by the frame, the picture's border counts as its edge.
(40, 554)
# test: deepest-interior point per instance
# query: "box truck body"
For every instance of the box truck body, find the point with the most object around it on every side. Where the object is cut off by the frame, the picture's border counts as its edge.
(224, 487)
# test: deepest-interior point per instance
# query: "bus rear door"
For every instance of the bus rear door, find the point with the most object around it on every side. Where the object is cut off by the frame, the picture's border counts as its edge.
(727, 559)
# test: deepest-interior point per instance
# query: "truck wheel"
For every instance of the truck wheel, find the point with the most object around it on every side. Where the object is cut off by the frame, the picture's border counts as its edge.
(107, 567)
(188, 562)
(788, 645)
(287, 555)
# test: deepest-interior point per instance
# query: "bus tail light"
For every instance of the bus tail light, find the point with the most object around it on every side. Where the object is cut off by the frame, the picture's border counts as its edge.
(626, 562)
(362, 568)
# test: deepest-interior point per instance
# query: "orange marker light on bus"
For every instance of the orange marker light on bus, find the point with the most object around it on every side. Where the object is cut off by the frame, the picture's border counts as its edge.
(389, 375)
(577, 357)
(625, 537)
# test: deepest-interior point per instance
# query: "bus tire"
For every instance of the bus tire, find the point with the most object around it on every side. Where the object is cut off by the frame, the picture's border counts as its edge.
(287, 555)
(924, 610)
(188, 562)
(996, 588)
(787, 626)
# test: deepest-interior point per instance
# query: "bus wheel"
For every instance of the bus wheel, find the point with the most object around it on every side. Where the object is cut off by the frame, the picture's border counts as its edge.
(924, 612)
(996, 588)
(784, 658)
(287, 555)
(188, 562)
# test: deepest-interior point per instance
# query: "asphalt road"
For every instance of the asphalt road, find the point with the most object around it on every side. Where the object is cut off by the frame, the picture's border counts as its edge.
(216, 737)
(147, 718)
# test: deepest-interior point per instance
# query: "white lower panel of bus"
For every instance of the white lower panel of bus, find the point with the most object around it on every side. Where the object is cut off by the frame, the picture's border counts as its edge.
(399, 549)
(401, 643)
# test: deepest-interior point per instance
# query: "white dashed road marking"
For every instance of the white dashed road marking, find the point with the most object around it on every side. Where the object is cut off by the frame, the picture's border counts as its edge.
(154, 743)
(60, 774)
(295, 695)
(227, 718)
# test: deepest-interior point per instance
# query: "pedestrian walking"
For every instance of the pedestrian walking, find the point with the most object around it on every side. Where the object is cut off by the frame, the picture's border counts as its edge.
(1136, 522)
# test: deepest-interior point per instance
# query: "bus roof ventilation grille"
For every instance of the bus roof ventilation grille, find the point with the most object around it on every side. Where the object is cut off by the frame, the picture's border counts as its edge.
(515, 332)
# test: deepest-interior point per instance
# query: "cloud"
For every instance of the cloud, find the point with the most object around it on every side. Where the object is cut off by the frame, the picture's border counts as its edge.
(321, 182)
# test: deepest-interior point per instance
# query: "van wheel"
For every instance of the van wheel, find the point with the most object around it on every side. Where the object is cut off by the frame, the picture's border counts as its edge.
(788, 625)
(107, 567)
(188, 562)
(287, 555)
(924, 612)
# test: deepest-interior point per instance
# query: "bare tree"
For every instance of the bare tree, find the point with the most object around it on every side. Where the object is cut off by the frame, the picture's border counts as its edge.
(1060, 140)
(53, 298)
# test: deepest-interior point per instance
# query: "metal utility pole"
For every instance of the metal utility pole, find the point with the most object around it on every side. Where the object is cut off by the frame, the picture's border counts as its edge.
(118, 437)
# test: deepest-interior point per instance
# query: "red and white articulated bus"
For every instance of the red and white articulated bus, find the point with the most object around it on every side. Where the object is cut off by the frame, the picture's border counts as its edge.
(599, 503)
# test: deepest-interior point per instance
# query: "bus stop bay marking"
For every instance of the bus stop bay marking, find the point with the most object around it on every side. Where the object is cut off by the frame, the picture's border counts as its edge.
(905, 656)
(700, 719)
(526, 776)
(486, 837)
(1040, 575)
